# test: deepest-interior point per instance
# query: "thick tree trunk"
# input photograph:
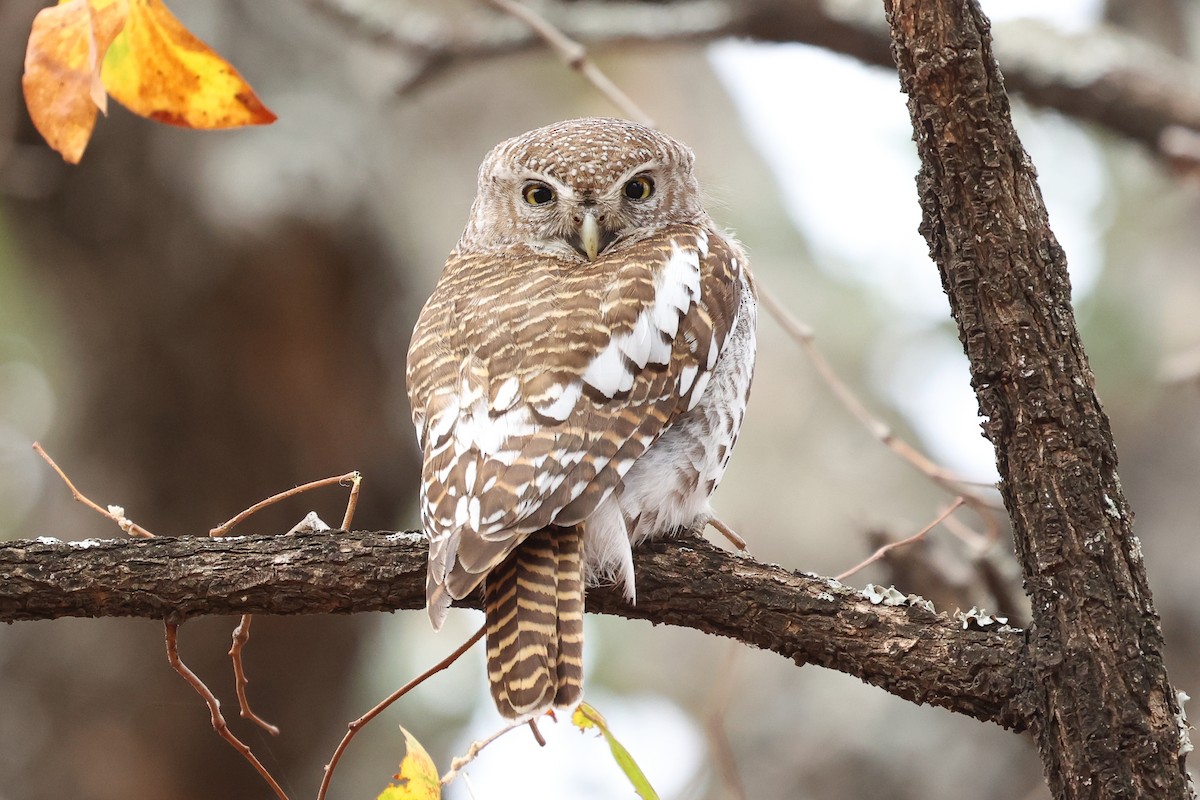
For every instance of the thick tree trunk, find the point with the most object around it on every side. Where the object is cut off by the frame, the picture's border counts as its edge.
(1104, 713)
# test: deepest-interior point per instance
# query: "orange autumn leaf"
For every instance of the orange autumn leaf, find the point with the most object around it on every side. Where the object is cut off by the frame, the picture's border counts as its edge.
(62, 83)
(157, 69)
(80, 51)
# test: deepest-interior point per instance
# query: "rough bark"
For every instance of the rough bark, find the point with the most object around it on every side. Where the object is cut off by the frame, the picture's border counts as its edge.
(1102, 709)
(909, 651)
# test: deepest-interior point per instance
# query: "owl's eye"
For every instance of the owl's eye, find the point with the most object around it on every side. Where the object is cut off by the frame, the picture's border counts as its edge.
(639, 188)
(537, 194)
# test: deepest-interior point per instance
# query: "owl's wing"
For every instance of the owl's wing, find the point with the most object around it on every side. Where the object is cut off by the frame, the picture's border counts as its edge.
(535, 385)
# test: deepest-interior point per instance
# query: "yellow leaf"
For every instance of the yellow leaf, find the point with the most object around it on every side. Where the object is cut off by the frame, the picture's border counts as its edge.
(417, 778)
(586, 717)
(157, 69)
(62, 70)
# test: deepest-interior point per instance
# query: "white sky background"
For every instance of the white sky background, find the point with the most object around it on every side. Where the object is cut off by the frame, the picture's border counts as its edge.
(849, 188)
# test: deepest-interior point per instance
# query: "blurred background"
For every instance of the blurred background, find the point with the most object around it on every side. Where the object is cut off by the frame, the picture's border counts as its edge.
(192, 321)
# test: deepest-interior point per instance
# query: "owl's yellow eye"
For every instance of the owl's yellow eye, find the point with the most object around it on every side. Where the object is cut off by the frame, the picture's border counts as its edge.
(537, 194)
(639, 188)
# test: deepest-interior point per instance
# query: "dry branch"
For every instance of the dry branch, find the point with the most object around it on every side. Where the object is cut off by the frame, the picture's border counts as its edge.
(909, 651)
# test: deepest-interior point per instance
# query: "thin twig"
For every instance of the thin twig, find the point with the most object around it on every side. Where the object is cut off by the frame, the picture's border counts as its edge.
(352, 501)
(728, 532)
(354, 727)
(979, 543)
(476, 746)
(575, 56)
(804, 336)
(241, 635)
(882, 551)
(354, 477)
(114, 513)
(214, 708)
(537, 734)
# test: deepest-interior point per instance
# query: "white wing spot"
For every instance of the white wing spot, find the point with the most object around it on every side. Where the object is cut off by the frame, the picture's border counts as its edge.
(638, 342)
(686, 376)
(698, 390)
(477, 429)
(506, 395)
(562, 406)
(607, 372)
(473, 512)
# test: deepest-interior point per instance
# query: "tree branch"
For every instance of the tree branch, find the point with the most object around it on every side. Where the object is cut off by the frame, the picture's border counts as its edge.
(1103, 76)
(907, 650)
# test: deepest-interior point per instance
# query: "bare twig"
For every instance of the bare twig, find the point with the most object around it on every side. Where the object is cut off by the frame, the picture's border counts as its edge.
(241, 635)
(352, 501)
(882, 551)
(803, 335)
(728, 532)
(354, 727)
(114, 513)
(354, 477)
(979, 543)
(457, 764)
(575, 56)
(214, 708)
(537, 734)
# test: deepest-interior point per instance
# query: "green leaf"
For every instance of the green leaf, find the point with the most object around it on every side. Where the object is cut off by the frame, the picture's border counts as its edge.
(417, 778)
(587, 717)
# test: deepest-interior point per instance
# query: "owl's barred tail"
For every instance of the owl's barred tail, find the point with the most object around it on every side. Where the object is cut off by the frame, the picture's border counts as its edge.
(534, 607)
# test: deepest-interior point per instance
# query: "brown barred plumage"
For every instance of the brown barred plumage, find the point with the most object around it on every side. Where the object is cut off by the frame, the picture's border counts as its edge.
(577, 379)
(534, 606)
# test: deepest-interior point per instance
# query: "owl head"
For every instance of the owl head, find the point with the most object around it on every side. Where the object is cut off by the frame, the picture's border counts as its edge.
(576, 189)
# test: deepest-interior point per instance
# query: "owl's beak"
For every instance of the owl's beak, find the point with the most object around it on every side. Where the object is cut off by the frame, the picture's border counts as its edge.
(592, 236)
(589, 236)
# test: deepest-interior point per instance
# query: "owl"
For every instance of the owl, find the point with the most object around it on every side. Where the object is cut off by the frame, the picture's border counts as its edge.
(577, 380)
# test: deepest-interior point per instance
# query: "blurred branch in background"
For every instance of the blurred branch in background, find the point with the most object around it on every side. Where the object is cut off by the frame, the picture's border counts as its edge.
(1105, 76)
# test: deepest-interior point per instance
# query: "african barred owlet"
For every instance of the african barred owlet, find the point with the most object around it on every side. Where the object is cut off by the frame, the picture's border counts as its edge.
(577, 380)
